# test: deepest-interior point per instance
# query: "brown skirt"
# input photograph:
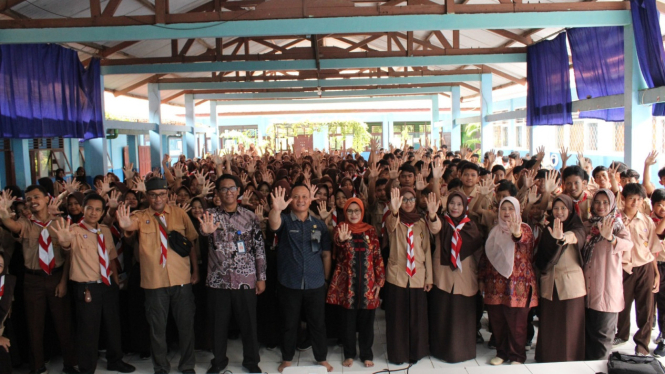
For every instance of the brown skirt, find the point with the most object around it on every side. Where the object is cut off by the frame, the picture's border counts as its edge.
(452, 319)
(406, 323)
(561, 330)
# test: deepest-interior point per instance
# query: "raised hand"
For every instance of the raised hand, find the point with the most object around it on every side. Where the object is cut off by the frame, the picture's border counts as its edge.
(515, 226)
(5, 202)
(208, 226)
(186, 207)
(550, 181)
(278, 202)
(432, 204)
(267, 177)
(557, 232)
(72, 186)
(113, 199)
(244, 199)
(206, 188)
(487, 187)
(607, 227)
(393, 169)
(395, 200)
(420, 182)
(123, 217)
(259, 212)
(179, 170)
(564, 155)
(139, 184)
(61, 227)
(438, 169)
(373, 170)
(533, 195)
(251, 166)
(651, 158)
(106, 185)
(173, 199)
(7, 199)
(54, 208)
(529, 177)
(243, 179)
(323, 212)
(166, 160)
(128, 170)
(344, 233)
(540, 153)
(424, 170)
(199, 177)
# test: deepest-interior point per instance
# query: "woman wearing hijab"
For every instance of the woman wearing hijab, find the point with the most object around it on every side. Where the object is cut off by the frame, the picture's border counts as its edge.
(356, 282)
(75, 207)
(408, 275)
(202, 330)
(606, 240)
(509, 282)
(341, 197)
(7, 284)
(452, 301)
(562, 289)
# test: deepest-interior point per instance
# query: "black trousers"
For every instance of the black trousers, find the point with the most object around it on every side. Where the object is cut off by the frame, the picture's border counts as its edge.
(361, 320)
(103, 308)
(313, 303)
(660, 298)
(240, 304)
(637, 286)
(600, 328)
(180, 299)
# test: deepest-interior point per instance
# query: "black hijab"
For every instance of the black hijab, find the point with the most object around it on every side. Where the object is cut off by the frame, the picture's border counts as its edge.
(549, 250)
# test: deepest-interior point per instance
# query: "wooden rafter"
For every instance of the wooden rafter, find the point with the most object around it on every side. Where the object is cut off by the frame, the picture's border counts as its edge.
(8, 4)
(442, 39)
(111, 7)
(363, 43)
(524, 34)
(125, 90)
(487, 68)
(147, 4)
(526, 40)
(174, 96)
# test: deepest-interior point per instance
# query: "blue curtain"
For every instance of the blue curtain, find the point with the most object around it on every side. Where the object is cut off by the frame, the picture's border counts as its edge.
(598, 64)
(46, 92)
(649, 46)
(548, 98)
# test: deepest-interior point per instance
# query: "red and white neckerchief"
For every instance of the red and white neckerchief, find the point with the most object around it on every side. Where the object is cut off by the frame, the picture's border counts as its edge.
(410, 255)
(101, 252)
(386, 211)
(578, 202)
(334, 218)
(46, 253)
(456, 243)
(119, 248)
(2, 286)
(163, 239)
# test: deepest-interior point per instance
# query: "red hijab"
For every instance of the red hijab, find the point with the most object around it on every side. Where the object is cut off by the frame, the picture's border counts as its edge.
(360, 227)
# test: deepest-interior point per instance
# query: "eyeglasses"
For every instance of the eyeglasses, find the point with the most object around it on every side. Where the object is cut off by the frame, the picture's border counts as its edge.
(227, 189)
(353, 211)
(411, 200)
(158, 196)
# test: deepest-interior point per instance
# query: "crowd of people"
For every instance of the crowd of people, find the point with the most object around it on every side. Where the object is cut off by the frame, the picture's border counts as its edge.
(300, 250)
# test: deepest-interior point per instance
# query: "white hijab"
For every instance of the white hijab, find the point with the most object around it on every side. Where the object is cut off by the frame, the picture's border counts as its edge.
(500, 246)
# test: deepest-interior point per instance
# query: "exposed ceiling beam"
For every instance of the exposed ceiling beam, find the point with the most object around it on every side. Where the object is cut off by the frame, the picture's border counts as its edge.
(442, 39)
(473, 96)
(525, 34)
(8, 4)
(170, 98)
(526, 40)
(127, 28)
(470, 87)
(146, 4)
(125, 90)
(500, 73)
(111, 7)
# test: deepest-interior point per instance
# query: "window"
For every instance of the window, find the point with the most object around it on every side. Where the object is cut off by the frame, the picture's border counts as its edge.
(577, 137)
(591, 137)
(618, 136)
(519, 135)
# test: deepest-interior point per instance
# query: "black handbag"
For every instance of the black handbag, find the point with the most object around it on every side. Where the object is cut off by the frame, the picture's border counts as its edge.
(620, 363)
(179, 243)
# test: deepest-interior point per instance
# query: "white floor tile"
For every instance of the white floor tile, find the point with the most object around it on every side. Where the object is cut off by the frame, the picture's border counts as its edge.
(500, 369)
(562, 367)
(438, 364)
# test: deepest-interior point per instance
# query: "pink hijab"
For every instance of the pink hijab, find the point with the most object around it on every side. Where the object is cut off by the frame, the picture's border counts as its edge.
(500, 247)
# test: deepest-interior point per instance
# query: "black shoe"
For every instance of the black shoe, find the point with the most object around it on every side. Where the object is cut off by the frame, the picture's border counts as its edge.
(161, 372)
(253, 368)
(70, 370)
(479, 338)
(121, 367)
(189, 371)
(215, 369)
(144, 355)
(660, 350)
(40, 371)
(492, 343)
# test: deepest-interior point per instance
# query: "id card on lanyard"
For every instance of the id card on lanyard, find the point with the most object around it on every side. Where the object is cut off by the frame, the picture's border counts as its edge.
(240, 244)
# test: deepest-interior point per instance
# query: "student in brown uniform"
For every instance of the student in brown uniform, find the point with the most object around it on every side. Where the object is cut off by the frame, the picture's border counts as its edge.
(7, 285)
(166, 276)
(46, 277)
(95, 276)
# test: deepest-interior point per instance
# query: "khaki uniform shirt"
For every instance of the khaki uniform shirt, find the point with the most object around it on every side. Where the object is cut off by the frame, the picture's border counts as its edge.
(645, 242)
(464, 282)
(84, 255)
(29, 236)
(567, 275)
(396, 267)
(177, 270)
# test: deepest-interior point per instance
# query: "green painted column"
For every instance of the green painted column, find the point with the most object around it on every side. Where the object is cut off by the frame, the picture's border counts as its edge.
(486, 128)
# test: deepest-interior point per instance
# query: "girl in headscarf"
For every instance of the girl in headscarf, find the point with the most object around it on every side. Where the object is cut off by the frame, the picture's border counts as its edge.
(408, 275)
(356, 282)
(75, 207)
(452, 301)
(606, 240)
(509, 282)
(341, 196)
(562, 289)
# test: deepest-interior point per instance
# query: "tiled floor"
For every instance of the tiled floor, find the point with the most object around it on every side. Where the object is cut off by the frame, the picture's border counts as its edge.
(270, 360)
